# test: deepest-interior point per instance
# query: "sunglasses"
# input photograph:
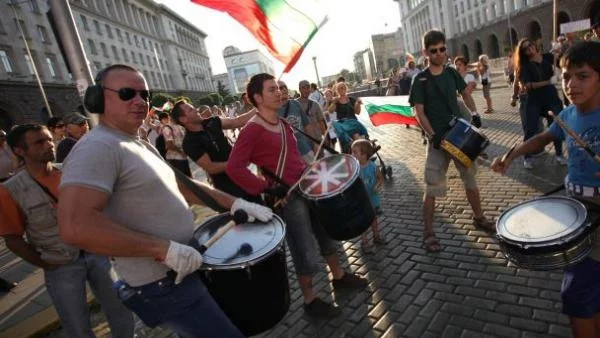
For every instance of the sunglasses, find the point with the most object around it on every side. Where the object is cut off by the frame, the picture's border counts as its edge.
(59, 126)
(436, 50)
(283, 87)
(126, 94)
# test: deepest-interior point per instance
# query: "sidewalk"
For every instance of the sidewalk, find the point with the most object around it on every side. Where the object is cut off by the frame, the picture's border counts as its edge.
(466, 290)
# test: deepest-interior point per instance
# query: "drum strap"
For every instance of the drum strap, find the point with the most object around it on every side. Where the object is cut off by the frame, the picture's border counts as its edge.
(283, 152)
(431, 79)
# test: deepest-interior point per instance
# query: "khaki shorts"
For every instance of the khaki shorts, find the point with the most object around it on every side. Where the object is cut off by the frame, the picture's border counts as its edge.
(436, 167)
(486, 90)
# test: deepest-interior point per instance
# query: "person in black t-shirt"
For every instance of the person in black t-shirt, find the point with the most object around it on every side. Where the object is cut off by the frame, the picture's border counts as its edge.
(77, 126)
(206, 144)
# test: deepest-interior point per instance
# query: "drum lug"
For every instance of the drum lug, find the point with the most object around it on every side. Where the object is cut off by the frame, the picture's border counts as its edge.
(248, 272)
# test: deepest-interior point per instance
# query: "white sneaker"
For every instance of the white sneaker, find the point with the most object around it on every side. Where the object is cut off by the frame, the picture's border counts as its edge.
(560, 160)
(528, 163)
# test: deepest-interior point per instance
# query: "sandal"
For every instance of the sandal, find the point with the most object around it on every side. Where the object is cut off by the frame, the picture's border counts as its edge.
(484, 224)
(378, 240)
(431, 243)
(367, 248)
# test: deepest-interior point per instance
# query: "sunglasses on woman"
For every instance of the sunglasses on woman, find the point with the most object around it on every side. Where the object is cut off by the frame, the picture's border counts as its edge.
(126, 94)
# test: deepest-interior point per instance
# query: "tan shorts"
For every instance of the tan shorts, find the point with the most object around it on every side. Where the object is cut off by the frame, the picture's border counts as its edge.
(436, 167)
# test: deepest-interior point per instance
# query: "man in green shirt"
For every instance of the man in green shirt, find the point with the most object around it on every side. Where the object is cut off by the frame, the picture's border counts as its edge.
(434, 113)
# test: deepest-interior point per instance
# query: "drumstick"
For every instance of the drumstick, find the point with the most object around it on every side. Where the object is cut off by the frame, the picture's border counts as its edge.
(322, 143)
(292, 188)
(576, 137)
(239, 217)
(505, 156)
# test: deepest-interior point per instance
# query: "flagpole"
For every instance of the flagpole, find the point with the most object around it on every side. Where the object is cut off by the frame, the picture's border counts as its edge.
(35, 71)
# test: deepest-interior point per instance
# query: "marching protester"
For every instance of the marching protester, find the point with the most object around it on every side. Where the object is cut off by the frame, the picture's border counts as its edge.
(431, 110)
(393, 86)
(173, 135)
(312, 109)
(316, 95)
(119, 198)
(292, 111)
(206, 144)
(268, 142)
(330, 117)
(460, 62)
(8, 161)
(483, 68)
(57, 128)
(77, 126)
(581, 81)
(28, 203)
(535, 74)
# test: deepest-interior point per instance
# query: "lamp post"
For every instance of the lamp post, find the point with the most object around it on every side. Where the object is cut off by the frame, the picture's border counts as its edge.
(314, 58)
(554, 19)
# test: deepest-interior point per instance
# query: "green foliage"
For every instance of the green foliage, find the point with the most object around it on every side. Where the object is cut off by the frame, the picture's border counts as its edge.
(217, 99)
(159, 99)
(229, 99)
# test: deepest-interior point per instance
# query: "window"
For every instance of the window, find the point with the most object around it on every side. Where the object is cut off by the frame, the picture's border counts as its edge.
(115, 52)
(33, 6)
(119, 36)
(6, 61)
(98, 66)
(92, 46)
(133, 59)
(85, 23)
(51, 67)
(149, 60)
(144, 43)
(142, 59)
(128, 37)
(104, 50)
(108, 31)
(29, 64)
(137, 41)
(42, 33)
(125, 57)
(98, 29)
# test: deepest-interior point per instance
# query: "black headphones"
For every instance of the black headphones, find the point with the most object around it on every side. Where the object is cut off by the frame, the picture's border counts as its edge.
(94, 94)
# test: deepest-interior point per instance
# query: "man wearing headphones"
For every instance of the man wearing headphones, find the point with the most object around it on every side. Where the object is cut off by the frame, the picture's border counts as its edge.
(121, 199)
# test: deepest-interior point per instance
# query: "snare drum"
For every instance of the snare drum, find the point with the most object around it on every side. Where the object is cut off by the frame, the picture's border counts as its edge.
(251, 288)
(341, 201)
(464, 142)
(545, 233)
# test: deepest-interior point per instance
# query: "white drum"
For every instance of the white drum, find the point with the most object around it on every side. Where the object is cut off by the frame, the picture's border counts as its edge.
(545, 233)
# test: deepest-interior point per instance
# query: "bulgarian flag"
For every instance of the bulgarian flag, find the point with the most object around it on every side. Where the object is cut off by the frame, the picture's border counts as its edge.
(285, 27)
(389, 110)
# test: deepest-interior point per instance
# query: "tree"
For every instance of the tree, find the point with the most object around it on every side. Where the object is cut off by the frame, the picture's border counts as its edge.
(159, 99)
(229, 99)
(216, 98)
(222, 89)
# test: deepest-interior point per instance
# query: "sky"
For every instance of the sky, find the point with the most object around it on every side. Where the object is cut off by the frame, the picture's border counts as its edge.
(348, 30)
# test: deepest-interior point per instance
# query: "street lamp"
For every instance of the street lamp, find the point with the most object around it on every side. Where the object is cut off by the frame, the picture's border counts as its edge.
(314, 58)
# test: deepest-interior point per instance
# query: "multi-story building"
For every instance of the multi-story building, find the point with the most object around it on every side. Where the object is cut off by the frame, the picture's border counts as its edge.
(243, 65)
(364, 65)
(475, 27)
(170, 52)
(388, 50)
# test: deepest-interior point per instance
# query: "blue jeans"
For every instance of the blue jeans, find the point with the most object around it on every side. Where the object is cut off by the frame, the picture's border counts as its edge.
(66, 286)
(186, 308)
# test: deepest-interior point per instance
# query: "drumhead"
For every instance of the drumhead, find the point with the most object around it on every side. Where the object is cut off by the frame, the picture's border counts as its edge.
(545, 219)
(263, 238)
(329, 176)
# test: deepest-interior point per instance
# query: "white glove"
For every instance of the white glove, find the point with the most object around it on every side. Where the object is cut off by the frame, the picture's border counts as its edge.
(254, 211)
(182, 259)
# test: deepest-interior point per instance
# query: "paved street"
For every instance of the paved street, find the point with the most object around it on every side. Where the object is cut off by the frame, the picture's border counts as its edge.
(466, 290)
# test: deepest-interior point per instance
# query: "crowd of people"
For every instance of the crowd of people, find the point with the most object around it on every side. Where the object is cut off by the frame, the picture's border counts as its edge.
(116, 214)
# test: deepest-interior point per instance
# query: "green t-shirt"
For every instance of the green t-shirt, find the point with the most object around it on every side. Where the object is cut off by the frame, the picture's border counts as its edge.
(436, 107)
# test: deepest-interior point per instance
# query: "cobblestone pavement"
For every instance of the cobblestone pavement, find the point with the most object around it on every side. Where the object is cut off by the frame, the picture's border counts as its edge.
(466, 290)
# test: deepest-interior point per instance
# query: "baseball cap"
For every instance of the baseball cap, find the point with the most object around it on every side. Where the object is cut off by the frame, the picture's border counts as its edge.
(75, 118)
(303, 83)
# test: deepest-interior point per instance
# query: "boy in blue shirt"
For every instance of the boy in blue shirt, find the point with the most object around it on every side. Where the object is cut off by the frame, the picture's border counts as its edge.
(581, 82)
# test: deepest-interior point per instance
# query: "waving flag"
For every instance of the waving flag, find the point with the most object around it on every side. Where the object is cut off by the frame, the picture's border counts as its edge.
(389, 110)
(285, 27)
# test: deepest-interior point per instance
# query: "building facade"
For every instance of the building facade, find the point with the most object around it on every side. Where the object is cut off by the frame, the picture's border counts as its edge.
(170, 52)
(364, 65)
(241, 66)
(388, 50)
(490, 27)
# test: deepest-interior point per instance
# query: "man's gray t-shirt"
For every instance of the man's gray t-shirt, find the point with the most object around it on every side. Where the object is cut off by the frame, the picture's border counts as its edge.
(144, 196)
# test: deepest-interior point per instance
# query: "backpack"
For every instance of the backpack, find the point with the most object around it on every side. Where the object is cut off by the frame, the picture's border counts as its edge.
(161, 145)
